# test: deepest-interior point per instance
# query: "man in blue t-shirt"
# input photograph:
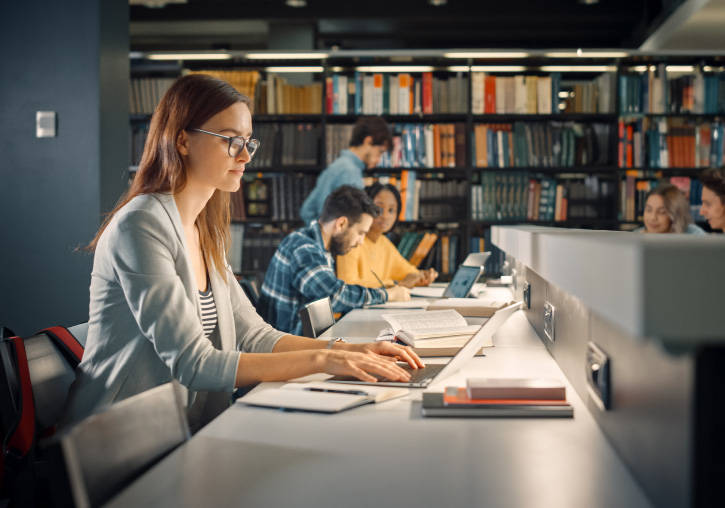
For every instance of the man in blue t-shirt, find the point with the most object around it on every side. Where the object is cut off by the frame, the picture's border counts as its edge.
(370, 139)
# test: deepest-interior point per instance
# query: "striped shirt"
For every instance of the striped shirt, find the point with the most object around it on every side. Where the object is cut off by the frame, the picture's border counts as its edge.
(208, 311)
(302, 271)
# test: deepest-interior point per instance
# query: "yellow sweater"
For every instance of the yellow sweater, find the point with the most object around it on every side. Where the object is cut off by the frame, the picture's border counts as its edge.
(357, 266)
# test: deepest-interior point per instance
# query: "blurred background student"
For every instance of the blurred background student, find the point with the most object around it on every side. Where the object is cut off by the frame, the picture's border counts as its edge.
(370, 139)
(377, 261)
(667, 210)
(713, 197)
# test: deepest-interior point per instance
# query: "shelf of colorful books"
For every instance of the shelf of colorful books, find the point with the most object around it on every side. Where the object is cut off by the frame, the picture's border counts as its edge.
(559, 117)
(270, 170)
(306, 118)
(408, 118)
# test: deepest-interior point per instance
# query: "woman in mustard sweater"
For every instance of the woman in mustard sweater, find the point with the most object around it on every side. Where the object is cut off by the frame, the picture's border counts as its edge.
(377, 261)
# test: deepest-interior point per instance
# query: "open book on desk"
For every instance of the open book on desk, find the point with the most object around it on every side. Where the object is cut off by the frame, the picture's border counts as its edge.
(470, 307)
(321, 397)
(416, 328)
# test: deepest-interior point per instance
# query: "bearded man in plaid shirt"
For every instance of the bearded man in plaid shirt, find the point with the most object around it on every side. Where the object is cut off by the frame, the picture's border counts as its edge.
(303, 267)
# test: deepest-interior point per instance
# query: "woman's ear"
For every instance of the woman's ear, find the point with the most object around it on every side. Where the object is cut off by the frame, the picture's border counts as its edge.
(182, 143)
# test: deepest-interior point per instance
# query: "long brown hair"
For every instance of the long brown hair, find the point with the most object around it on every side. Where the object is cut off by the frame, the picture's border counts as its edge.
(676, 204)
(187, 104)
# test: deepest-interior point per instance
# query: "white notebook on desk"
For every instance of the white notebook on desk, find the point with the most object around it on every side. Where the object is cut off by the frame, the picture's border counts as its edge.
(321, 397)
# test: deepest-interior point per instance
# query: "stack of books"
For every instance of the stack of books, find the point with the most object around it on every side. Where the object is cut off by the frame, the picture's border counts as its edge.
(491, 397)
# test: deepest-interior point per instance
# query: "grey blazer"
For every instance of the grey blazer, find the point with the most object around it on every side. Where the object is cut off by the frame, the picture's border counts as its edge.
(144, 324)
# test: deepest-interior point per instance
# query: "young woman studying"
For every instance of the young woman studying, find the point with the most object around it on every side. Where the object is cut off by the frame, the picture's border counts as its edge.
(667, 210)
(164, 303)
(377, 262)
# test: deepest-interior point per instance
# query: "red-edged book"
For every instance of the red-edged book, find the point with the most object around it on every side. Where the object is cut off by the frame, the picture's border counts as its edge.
(454, 396)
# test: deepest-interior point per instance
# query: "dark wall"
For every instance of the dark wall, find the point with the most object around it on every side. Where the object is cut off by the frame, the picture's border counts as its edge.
(72, 58)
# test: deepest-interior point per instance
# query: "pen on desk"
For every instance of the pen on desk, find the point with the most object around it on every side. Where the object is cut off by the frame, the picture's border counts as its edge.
(331, 390)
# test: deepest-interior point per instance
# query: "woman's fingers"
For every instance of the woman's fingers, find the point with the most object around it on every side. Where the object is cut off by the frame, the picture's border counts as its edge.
(381, 367)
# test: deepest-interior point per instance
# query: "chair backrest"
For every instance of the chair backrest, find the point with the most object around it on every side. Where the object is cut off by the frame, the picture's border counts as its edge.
(38, 371)
(316, 317)
(107, 451)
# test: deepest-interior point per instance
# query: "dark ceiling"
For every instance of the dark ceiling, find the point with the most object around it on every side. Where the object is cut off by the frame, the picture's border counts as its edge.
(402, 24)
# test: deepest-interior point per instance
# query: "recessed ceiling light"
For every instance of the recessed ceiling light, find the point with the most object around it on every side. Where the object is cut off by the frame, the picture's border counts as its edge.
(296, 3)
(437, 3)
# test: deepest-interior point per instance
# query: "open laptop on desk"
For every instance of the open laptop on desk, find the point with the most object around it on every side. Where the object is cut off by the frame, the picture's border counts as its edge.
(421, 378)
(461, 283)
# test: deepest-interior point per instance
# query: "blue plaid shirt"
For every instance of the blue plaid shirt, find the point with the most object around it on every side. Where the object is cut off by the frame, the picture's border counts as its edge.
(302, 271)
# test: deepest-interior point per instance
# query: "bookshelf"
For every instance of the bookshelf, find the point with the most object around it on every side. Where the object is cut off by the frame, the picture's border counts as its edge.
(516, 129)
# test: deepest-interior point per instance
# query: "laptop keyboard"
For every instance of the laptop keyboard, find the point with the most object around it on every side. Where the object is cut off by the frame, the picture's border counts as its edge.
(417, 375)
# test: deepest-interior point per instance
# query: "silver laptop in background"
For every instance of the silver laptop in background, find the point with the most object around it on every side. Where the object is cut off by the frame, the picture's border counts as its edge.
(421, 378)
(462, 282)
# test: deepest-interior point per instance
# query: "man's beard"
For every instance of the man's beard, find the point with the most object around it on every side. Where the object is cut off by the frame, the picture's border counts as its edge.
(338, 245)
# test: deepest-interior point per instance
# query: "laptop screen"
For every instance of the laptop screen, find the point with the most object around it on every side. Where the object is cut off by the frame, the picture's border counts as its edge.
(463, 281)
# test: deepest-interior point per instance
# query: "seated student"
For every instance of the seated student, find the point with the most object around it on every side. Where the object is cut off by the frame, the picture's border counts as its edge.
(377, 261)
(713, 197)
(164, 303)
(302, 270)
(370, 139)
(667, 210)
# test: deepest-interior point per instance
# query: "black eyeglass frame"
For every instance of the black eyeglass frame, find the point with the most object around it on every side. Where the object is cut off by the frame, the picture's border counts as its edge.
(244, 142)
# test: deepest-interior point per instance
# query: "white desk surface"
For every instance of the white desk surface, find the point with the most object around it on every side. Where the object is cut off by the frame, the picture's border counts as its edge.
(388, 455)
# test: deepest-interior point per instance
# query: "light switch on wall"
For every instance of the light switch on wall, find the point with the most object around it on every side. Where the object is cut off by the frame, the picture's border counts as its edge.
(45, 124)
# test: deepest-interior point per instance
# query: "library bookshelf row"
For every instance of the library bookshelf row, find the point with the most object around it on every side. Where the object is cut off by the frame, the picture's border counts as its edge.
(474, 145)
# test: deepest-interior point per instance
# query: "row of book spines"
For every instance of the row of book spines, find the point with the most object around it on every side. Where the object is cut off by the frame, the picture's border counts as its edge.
(396, 94)
(431, 145)
(517, 197)
(653, 92)
(514, 94)
(522, 145)
(287, 144)
(673, 145)
(417, 247)
(279, 97)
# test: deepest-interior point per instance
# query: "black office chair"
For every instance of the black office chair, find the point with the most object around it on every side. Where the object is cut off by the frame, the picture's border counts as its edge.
(316, 317)
(107, 451)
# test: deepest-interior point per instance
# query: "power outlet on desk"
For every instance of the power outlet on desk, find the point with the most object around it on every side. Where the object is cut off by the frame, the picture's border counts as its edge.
(527, 295)
(599, 381)
(549, 321)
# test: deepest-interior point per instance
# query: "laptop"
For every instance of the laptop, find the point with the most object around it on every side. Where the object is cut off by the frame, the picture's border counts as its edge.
(421, 378)
(461, 283)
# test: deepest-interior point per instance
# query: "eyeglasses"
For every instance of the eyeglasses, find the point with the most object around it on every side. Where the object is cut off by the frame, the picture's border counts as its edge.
(236, 143)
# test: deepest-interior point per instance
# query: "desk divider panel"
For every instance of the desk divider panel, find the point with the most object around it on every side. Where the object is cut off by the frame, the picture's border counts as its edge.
(665, 415)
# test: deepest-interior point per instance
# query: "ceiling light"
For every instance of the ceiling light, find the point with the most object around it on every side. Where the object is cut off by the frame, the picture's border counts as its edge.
(498, 68)
(680, 68)
(457, 68)
(316, 55)
(437, 3)
(586, 54)
(578, 68)
(486, 54)
(395, 68)
(296, 3)
(189, 56)
(311, 68)
(640, 68)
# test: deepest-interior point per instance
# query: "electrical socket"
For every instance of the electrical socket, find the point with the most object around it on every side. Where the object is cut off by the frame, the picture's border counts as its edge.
(549, 321)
